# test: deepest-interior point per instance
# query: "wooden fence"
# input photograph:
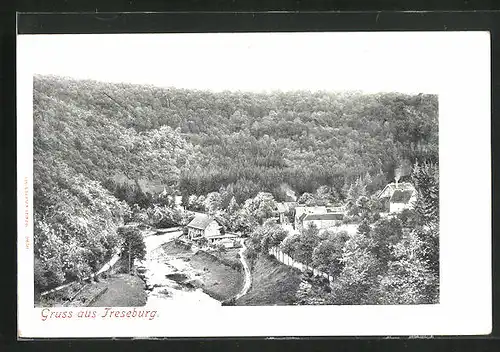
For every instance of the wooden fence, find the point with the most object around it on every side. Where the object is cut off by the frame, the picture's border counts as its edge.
(287, 260)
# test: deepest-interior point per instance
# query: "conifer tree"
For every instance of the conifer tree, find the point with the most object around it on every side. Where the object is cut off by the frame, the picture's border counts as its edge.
(367, 181)
(425, 177)
(233, 206)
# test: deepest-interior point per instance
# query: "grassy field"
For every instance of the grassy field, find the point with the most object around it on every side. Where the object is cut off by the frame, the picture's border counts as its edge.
(230, 257)
(81, 293)
(219, 279)
(123, 290)
(117, 290)
(272, 283)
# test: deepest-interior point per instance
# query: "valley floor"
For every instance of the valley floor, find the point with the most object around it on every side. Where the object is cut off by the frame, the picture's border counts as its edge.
(221, 278)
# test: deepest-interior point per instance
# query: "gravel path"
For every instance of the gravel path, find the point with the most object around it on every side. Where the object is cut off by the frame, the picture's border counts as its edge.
(248, 275)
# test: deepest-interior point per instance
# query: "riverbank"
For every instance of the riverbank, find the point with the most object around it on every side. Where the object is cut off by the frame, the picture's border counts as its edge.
(170, 274)
(110, 290)
(219, 276)
(120, 290)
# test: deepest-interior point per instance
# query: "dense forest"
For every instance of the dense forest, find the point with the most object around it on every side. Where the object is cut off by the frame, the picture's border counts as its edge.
(389, 260)
(103, 152)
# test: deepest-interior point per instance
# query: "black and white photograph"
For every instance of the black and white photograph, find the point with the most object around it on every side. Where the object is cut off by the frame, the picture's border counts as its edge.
(211, 171)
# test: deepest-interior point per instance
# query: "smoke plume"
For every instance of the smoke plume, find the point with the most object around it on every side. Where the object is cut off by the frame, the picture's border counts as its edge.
(404, 169)
(289, 192)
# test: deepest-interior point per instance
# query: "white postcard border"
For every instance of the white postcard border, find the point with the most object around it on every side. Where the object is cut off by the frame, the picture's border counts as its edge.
(462, 71)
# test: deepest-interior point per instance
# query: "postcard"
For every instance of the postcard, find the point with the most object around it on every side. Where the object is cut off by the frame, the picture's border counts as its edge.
(254, 184)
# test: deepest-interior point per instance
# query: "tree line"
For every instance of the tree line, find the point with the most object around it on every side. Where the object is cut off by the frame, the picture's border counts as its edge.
(199, 141)
(393, 260)
(103, 153)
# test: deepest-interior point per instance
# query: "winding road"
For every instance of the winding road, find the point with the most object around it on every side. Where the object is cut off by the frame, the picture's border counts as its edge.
(154, 242)
(248, 275)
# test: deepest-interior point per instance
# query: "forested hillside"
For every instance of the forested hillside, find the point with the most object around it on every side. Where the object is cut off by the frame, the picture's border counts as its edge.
(101, 148)
(253, 141)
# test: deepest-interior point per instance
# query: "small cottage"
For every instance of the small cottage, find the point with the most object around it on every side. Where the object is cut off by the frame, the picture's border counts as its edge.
(397, 196)
(203, 226)
(401, 199)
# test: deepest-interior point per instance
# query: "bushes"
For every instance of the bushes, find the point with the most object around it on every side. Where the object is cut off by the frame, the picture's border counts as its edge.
(133, 246)
(266, 236)
(408, 218)
(389, 264)
(410, 278)
(385, 234)
(251, 255)
(301, 246)
(383, 263)
(359, 275)
(75, 223)
(351, 219)
(163, 216)
(39, 272)
(327, 254)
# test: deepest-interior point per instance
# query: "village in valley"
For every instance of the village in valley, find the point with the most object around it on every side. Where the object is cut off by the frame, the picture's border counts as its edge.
(148, 196)
(293, 216)
(221, 234)
(289, 234)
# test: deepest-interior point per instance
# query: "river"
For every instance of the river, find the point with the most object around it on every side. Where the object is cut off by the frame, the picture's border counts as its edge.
(164, 292)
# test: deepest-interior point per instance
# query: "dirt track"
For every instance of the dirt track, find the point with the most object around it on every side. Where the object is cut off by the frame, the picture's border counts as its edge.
(248, 274)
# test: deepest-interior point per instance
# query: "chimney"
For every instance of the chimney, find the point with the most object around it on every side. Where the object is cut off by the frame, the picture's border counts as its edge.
(397, 175)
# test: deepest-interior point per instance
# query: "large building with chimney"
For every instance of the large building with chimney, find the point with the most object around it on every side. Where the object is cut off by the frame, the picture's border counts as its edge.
(398, 196)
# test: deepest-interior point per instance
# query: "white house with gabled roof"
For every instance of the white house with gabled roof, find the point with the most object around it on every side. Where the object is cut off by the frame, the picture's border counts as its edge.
(398, 196)
(203, 226)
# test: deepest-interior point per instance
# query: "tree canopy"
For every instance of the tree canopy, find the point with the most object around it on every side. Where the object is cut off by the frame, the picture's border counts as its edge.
(105, 154)
(197, 141)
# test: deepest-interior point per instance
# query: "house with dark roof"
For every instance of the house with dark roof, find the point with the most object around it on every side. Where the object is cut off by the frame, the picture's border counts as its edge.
(405, 196)
(391, 187)
(322, 221)
(203, 226)
(402, 199)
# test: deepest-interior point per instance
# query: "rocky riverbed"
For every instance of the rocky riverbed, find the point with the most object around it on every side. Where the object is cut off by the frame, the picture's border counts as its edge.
(170, 280)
